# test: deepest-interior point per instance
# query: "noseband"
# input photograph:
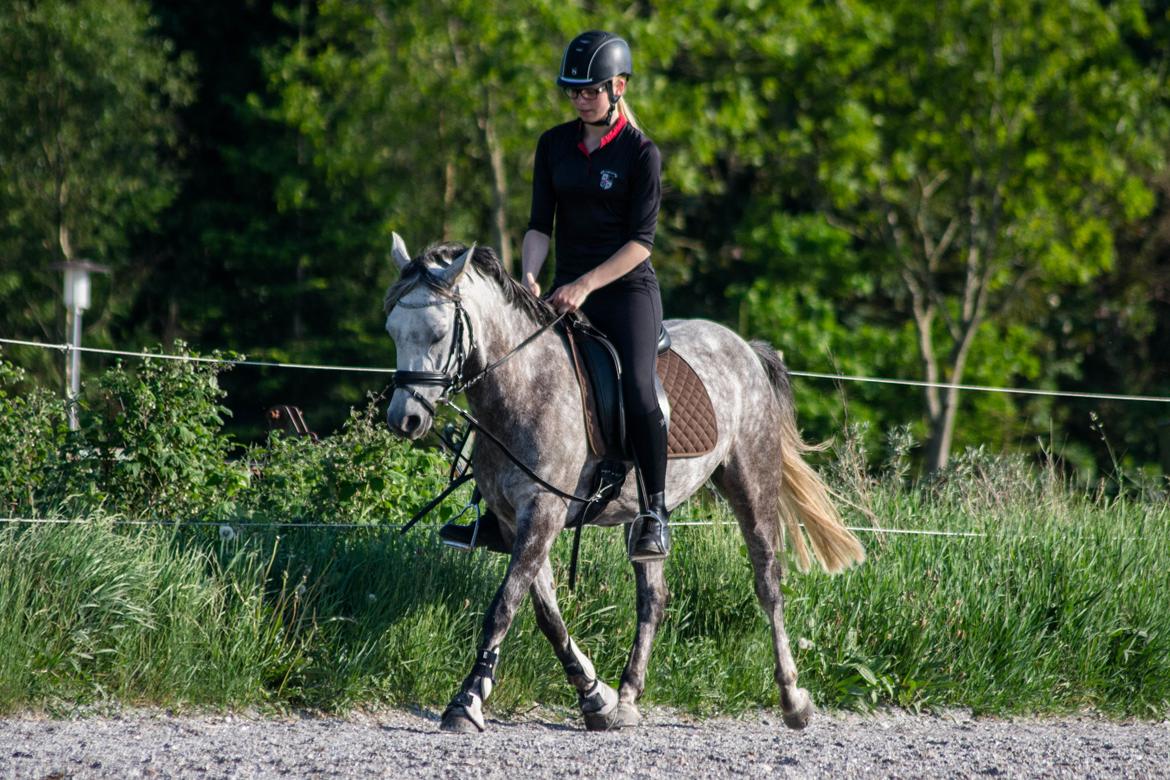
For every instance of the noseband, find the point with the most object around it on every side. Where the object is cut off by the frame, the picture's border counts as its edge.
(450, 379)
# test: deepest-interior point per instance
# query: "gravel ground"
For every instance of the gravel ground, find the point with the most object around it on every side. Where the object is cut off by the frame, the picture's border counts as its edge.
(157, 744)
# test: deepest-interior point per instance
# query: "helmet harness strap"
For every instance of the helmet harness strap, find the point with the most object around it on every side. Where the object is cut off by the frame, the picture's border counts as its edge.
(613, 103)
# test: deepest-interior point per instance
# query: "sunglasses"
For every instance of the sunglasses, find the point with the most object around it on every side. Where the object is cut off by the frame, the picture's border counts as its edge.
(589, 93)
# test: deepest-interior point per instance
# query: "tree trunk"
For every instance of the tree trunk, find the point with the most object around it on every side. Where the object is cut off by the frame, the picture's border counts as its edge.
(171, 328)
(942, 428)
(64, 242)
(499, 182)
(942, 419)
(943, 403)
(448, 182)
(940, 413)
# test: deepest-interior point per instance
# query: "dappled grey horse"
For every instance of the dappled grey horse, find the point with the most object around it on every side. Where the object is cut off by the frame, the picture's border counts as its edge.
(454, 312)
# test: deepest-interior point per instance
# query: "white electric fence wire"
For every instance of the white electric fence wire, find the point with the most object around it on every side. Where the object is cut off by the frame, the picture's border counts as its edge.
(983, 388)
(195, 359)
(367, 369)
(370, 527)
(805, 374)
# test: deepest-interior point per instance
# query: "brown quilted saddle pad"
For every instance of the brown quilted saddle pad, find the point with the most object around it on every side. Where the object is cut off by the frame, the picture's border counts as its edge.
(693, 429)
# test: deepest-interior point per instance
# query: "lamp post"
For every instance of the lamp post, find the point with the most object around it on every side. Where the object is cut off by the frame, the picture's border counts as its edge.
(76, 301)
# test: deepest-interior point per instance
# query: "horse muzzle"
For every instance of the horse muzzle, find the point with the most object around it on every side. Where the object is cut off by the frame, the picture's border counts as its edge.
(407, 416)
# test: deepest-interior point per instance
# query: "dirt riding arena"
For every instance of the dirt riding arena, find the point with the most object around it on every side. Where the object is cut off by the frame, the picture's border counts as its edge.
(156, 744)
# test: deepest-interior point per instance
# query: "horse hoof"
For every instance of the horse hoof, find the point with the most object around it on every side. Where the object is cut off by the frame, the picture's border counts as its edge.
(457, 721)
(623, 716)
(800, 715)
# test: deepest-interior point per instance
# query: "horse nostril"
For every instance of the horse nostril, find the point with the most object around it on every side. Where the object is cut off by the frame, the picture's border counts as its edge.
(410, 423)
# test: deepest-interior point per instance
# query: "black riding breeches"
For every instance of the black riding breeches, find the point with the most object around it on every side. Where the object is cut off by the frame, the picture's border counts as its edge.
(630, 315)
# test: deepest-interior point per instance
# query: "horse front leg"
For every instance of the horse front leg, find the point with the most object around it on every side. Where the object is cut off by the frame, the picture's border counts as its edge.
(597, 700)
(536, 530)
(652, 599)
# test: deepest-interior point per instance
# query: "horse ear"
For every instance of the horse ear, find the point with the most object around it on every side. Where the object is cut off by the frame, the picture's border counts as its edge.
(451, 273)
(399, 253)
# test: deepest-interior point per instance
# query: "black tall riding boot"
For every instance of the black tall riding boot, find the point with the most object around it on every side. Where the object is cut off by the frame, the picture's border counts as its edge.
(652, 542)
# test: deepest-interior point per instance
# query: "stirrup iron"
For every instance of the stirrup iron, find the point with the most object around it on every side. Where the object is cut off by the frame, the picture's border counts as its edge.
(468, 546)
(643, 544)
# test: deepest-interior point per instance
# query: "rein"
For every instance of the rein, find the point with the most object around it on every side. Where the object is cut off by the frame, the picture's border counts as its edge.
(468, 383)
(477, 425)
(452, 381)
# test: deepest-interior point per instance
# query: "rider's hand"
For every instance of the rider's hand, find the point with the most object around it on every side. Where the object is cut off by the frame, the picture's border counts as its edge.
(569, 297)
(532, 285)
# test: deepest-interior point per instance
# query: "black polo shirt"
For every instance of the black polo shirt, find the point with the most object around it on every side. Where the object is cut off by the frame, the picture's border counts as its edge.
(600, 201)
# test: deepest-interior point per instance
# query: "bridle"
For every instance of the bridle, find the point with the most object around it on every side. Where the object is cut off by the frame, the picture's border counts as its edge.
(453, 382)
(451, 378)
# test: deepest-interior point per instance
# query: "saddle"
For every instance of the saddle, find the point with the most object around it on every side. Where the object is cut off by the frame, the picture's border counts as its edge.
(690, 416)
(691, 430)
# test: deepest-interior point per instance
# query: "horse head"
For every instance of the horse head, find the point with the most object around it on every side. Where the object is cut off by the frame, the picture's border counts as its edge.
(452, 311)
(431, 332)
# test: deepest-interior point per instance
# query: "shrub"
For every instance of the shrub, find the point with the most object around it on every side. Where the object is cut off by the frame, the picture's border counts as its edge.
(32, 432)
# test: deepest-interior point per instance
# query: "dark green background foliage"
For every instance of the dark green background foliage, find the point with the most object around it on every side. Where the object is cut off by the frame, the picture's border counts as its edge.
(152, 445)
(974, 192)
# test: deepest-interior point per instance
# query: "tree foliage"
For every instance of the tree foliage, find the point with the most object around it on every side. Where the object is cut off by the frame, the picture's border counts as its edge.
(940, 192)
(87, 99)
(978, 155)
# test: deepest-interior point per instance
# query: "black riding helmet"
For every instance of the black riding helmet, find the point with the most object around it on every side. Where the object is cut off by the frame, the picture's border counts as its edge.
(593, 58)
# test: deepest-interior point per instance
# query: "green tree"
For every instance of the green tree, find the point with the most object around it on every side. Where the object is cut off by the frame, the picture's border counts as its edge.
(434, 108)
(899, 189)
(87, 99)
(1117, 329)
(992, 148)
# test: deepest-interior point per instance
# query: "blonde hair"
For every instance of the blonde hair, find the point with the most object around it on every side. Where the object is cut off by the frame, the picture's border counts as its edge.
(625, 110)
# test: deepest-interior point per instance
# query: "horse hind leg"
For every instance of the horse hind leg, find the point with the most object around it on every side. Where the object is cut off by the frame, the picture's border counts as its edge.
(652, 598)
(598, 701)
(754, 496)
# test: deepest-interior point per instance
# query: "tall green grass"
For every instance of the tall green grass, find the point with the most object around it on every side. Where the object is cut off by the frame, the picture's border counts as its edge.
(93, 613)
(1059, 605)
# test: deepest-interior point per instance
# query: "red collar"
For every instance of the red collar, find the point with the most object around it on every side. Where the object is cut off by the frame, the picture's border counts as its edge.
(618, 126)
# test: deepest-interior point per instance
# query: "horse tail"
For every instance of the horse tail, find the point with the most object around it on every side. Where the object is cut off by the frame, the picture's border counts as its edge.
(805, 499)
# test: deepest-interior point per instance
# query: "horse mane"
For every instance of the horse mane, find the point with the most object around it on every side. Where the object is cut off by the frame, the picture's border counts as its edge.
(485, 261)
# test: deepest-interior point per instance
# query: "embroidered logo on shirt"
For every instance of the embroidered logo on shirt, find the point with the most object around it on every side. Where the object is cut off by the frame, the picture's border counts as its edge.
(607, 179)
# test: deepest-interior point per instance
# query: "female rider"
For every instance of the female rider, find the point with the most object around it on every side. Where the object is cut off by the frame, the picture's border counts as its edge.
(598, 178)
